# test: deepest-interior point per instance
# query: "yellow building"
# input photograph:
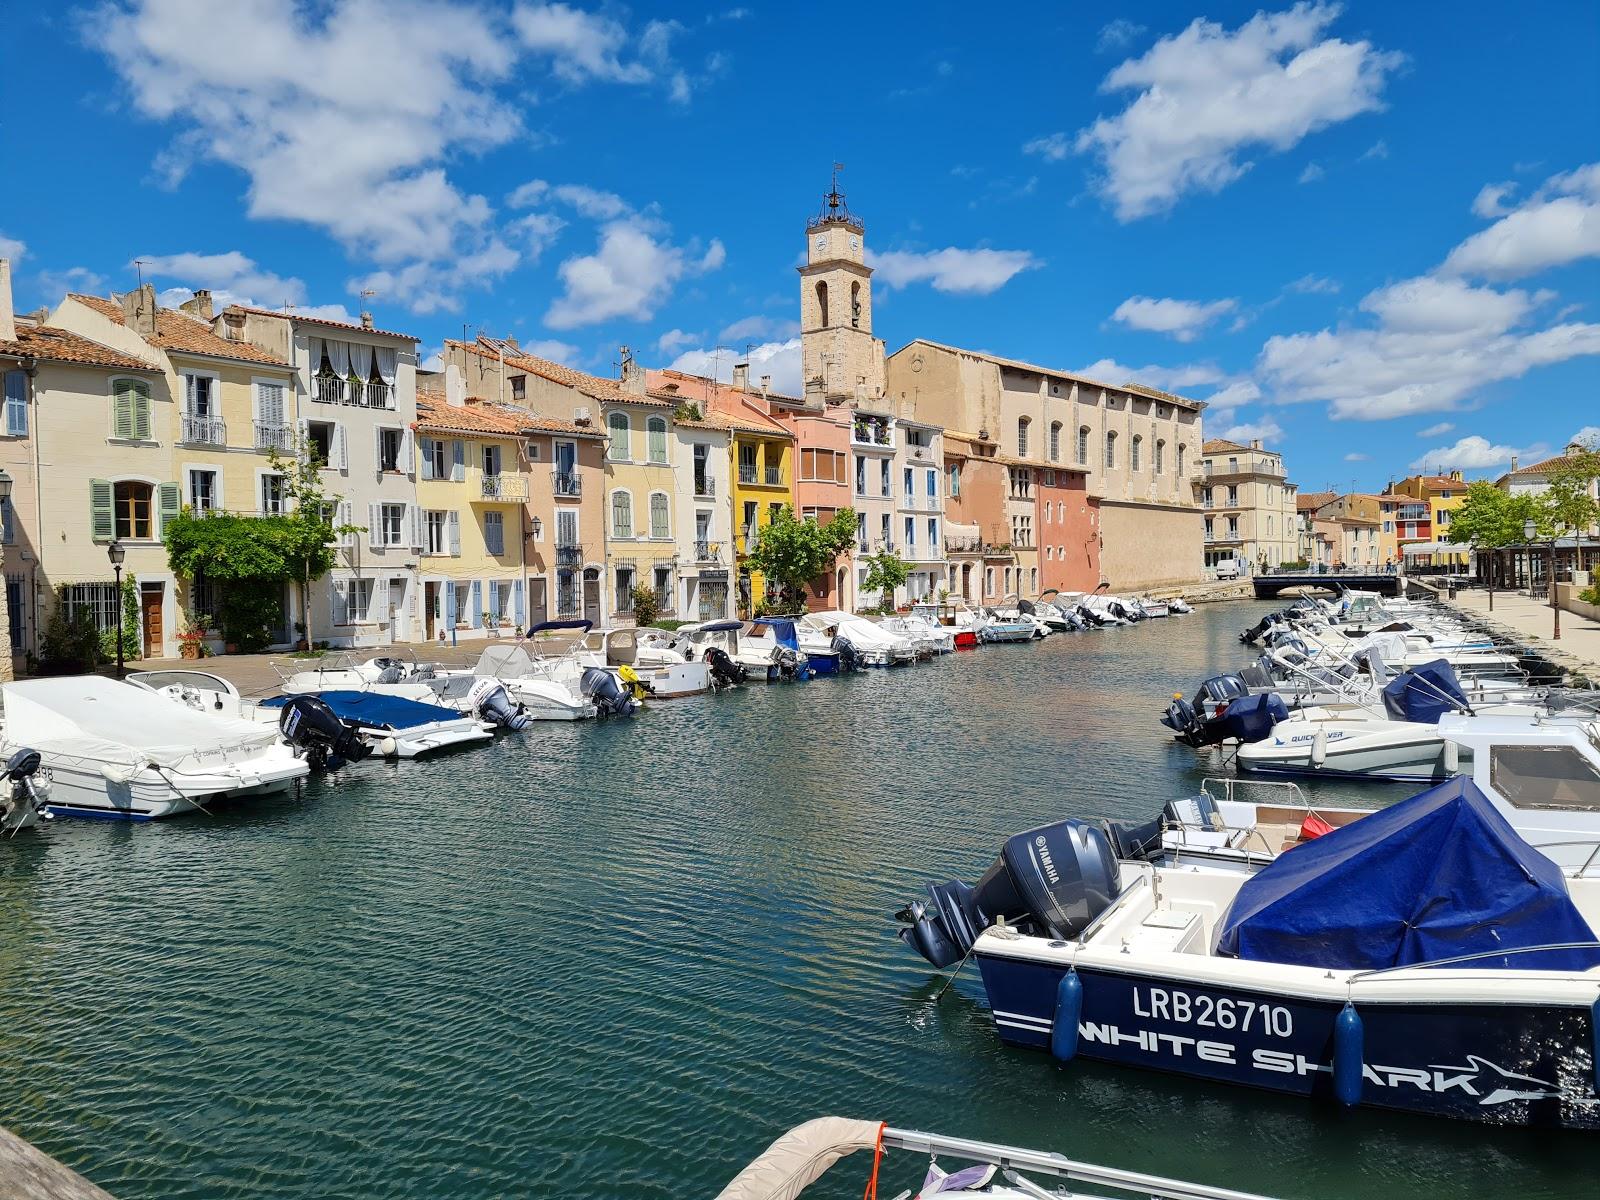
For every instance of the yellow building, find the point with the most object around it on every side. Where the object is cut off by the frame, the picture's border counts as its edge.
(641, 548)
(1442, 494)
(472, 499)
(762, 477)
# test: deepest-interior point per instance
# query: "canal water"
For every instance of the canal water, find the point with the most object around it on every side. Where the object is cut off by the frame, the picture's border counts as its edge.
(616, 959)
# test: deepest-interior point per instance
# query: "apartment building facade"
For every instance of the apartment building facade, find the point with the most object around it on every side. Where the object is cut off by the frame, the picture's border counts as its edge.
(1250, 506)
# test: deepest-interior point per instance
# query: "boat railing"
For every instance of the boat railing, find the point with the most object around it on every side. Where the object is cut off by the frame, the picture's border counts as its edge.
(1230, 786)
(1013, 1159)
(1580, 872)
(1145, 879)
(1476, 956)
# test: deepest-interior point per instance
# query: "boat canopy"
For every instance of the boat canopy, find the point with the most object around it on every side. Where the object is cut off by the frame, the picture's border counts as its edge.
(543, 625)
(505, 661)
(783, 631)
(800, 1157)
(378, 710)
(1424, 693)
(717, 627)
(93, 718)
(1439, 876)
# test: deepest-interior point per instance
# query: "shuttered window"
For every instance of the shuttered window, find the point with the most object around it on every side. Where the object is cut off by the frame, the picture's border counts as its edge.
(494, 532)
(16, 404)
(658, 440)
(130, 410)
(620, 449)
(621, 515)
(659, 526)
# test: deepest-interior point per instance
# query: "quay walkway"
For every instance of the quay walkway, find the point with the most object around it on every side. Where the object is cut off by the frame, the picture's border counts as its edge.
(1531, 622)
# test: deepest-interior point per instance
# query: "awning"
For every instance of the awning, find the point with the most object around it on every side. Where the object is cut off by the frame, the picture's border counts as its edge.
(1434, 548)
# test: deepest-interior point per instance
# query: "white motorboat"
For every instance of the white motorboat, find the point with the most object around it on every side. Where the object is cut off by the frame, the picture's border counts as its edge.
(803, 1155)
(1423, 958)
(935, 639)
(640, 656)
(1009, 627)
(870, 643)
(536, 694)
(397, 727)
(108, 751)
(584, 671)
(470, 693)
(726, 643)
(962, 620)
(777, 640)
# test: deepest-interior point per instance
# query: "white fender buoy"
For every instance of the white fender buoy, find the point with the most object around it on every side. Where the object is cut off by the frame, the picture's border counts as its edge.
(1452, 758)
(1319, 748)
(388, 747)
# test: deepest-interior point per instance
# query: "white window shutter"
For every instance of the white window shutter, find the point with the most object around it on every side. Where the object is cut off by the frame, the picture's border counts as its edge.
(377, 451)
(340, 459)
(417, 539)
(408, 453)
(374, 525)
(458, 461)
(188, 394)
(340, 612)
(455, 534)
(425, 448)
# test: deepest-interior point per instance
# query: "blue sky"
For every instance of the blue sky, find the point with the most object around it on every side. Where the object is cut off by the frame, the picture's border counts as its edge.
(1369, 233)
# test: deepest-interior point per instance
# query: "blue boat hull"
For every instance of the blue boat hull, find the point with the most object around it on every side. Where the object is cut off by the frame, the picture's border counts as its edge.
(1508, 1064)
(822, 663)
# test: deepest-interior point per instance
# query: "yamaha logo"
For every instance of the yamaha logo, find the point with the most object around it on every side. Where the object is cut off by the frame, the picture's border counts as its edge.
(1050, 871)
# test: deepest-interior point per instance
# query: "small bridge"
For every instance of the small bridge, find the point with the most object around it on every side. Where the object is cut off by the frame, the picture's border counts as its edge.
(1269, 586)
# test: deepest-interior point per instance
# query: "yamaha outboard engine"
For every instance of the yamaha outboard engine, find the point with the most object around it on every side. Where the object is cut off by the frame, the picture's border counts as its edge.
(849, 656)
(315, 730)
(606, 693)
(490, 701)
(1182, 719)
(791, 665)
(725, 673)
(22, 803)
(1050, 882)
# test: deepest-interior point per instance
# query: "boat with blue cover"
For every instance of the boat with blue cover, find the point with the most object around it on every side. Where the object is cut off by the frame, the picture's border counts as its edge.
(398, 727)
(1424, 958)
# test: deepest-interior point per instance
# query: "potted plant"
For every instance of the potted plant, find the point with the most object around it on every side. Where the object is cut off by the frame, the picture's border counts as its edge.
(192, 639)
(300, 642)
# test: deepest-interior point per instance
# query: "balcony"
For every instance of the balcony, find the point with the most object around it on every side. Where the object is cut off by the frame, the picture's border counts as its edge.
(274, 437)
(369, 394)
(205, 431)
(707, 552)
(505, 487)
(569, 556)
(566, 484)
(1243, 466)
(774, 477)
(747, 474)
(871, 433)
(964, 544)
(328, 389)
(705, 488)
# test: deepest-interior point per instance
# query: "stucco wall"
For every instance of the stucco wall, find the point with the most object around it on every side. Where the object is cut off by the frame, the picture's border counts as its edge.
(1147, 545)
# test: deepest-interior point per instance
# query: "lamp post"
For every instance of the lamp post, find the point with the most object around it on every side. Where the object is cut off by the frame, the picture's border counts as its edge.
(116, 552)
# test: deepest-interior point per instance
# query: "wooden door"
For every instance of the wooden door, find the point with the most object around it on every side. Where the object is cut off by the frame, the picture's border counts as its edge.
(150, 609)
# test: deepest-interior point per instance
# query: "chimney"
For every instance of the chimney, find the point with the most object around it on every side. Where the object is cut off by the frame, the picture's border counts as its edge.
(632, 373)
(455, 386)
(512, 344)
(1573, 447)
(741, 376)
(8, 320)
(139, 310)
(766, 385)
(366, 320)
(199, 305)
(1457, 475)
(1513, 462)
(1255, 443)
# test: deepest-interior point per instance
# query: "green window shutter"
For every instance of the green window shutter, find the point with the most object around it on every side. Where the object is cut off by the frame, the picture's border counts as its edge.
(169, 500)
(141, 412)
(102, 521)
(122, 410)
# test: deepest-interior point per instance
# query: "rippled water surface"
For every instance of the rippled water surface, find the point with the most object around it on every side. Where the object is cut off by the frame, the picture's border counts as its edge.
(616, 959)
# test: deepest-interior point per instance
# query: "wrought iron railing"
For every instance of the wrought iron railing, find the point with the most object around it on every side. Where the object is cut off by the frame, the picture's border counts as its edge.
(746, 474)
(274, 437)
(707, 551)
(705, 486)
(505, 487)
(205, 431)
(569, 556)
(566, 483)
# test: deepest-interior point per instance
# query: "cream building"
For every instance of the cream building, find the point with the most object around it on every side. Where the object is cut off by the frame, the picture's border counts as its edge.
(1250, 507)
(1139, 448)
(702, 514)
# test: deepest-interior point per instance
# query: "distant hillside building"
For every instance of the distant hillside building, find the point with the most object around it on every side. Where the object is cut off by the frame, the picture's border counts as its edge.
(1250, 508)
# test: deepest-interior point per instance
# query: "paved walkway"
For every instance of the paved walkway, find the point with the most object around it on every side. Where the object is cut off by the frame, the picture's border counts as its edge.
(1531, 621)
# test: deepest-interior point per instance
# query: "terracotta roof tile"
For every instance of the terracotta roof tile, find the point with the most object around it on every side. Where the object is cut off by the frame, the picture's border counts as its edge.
(1219, 445)
(610, 391)
(488, 419)
(1309, 501)
(1548, 464)
(60, 345)
(179, 332)
(305, 320)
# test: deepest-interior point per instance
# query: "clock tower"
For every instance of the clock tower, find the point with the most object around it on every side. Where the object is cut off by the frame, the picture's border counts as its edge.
(841, 362)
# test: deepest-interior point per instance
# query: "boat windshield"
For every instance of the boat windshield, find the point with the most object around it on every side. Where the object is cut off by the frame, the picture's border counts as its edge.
(1545, 777)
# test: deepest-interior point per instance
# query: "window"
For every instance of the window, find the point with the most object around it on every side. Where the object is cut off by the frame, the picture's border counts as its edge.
(861, 530)
(658, 439)
(1181, 449)
(884, 474)
(1233, 495)
(519, 387)
(1055, 441)
(988, 581)
(910, 486)
(437, 525)
(1047, 511)
(750, 510)
(16, 404)
(933, 533)
(660, 527)
(955, 481)
(434, 463)
(98, 601)
(911, 533)
(1111, 450)
(132, 502)
(389, 441)
(494, 532)
(1022, 437)
(319, 435)
(861, 476)
(391, 524)
(491, 460)
(663, 588)
(822, 304)
(625, 589)
(1161, 456)
(202, 491)
(1083, 445)
(1205, 497)
(130, 410)
(352, 600)
(272, 494)
(621, 446)
(1134, 451)
(1550, 777)
(205, 600)
(621, 514)
(933, 485)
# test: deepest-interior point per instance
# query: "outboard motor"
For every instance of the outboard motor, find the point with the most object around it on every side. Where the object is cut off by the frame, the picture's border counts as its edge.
(791, 665)
(490, 701)
(725, 673)
(606, 693)
(849, 656)
(636, 686)
(1182, 719)
(22, 803)
(315, 730)
(1050, 882)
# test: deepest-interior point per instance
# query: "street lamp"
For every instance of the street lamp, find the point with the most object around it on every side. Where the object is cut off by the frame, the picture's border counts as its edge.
(116, 552)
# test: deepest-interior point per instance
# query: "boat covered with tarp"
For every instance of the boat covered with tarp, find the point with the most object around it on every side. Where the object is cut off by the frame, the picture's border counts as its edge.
(398, 727)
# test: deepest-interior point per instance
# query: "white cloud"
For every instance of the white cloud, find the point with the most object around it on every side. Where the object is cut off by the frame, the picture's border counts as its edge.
(1183, 320)
(973, 272)
(1117, 35)
(1558, 224)
(1357, 457)
(768, 328)
(1266, 429)
(53, 285)
(231, 277)
(585, 46)
(1207, 94)
(1438, 429)
(1052, 147)
(1314, 285)
(1181, 379)
(1436, 342)
(1378, 149)
(1240, 391)
(12, 248)
(631, 272)
(1472, 453)
(1311, 174)
(556, 351)
(591, 202)
(537, 231)
(528, 194)
(1589, 435)
(781, 360)
(674, 340)
(1490, 202)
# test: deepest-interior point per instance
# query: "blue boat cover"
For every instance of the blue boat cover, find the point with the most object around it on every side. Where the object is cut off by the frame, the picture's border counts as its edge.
(377, 710)
(1251, 718)
(1424, 693)
(783, 631)
(1437, 876)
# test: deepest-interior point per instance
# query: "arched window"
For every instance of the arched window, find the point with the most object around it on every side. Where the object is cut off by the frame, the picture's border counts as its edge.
(659, 525)
(822, 303)
(855, 305)
(1047, 513)
(1111, 449)
(621, 514)
(1134, 451)
(1055, 441)
(1083, 445)
(1161, 455)
(1022, 437)
(621, 448)
(657, 427)
(1269, 524)
(988, 581)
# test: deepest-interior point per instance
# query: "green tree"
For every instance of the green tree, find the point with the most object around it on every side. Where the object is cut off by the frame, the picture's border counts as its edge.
(132, 645)
(1490, 518)
(886, 571)
(645, 608)
(1567, 503)
(792, 552)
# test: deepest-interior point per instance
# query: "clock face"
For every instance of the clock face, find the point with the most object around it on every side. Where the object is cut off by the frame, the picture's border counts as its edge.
(855, 243)
(822, 244)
